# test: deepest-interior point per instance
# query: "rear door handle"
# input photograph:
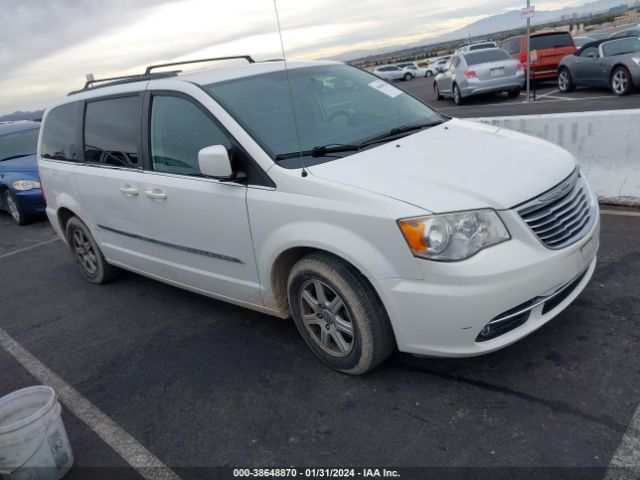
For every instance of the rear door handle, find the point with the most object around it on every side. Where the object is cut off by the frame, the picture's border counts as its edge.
(156, 194)
(129, 191)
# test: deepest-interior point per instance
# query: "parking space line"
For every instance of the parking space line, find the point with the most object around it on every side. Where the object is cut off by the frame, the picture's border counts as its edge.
(621, 213)
(143, 461)
(31, 247)
(625, 463)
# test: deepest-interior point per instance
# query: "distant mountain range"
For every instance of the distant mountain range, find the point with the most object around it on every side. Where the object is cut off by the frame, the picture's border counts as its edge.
(35, 115)
(495, 23)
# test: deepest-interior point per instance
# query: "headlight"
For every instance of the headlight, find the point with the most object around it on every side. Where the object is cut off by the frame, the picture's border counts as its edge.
(25, 184)
(636, 60)
(453, 236)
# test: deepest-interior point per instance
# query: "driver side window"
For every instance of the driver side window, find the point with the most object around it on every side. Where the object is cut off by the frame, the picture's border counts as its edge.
(179, 129)
(589, 52)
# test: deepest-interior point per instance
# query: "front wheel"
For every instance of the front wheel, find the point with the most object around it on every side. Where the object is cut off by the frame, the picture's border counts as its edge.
(565, 82)
(338, 314)
(88, 257)
(407, 77)
(15, 209)
(428, 74)
(621, 84)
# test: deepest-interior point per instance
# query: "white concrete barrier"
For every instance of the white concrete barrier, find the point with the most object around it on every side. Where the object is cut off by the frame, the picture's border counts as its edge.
(606, 143)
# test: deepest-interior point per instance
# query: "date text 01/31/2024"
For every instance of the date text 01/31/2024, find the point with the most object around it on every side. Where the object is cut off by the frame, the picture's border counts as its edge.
(316, 473)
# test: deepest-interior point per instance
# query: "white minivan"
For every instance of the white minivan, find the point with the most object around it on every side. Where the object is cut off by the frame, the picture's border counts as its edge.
(312, 190)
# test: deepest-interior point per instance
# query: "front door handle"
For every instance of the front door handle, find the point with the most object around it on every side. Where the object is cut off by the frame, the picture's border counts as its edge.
(156, 194)
(129, 191)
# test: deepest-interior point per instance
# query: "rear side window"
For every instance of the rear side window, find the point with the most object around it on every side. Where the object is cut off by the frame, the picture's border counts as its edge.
(621, 47)
(553, 40)
(476, 58)
(179, 130)
(60, 133)
(112, 132)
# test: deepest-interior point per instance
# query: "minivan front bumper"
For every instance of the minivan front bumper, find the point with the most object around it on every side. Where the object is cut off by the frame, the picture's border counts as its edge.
(444, 314)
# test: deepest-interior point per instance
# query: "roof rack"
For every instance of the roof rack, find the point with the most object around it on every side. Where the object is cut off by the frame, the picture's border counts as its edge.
(108, 82)
(173, 64)
(91, 82)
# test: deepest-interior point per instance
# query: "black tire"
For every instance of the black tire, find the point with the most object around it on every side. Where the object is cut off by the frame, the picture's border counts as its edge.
(428, 74)
(436, 90)
(407, 77)
(358, 306)
(15, 209)
(565, 81)
(514, 92)
(457, 95)
(620, 82)
(88, 257)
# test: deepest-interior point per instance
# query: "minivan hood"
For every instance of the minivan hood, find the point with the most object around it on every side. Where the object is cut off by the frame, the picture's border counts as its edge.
(458, 165)
(22, 164)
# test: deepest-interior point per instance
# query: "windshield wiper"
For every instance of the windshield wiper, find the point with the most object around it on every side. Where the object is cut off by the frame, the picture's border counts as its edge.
(13, 157)
(397, 131)
(324, 150)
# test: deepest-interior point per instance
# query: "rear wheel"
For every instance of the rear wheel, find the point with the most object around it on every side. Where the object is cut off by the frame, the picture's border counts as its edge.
(88, 257)
(436, 91)
(565, 82)
(457, 96)
(338, 314)
(514, 93)
(15, 209)
(621, 84)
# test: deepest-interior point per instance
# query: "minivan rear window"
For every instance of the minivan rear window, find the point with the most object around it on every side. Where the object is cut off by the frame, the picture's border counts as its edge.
(112, 131)
(481, 46)
(552, 40)
(487, 56)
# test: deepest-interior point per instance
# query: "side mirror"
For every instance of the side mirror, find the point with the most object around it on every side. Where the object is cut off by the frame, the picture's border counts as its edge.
(214, 162)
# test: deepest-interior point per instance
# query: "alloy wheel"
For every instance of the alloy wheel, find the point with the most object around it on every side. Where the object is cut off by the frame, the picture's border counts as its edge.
(326, 318)
(84, 252)
(13, 208)
(563, 81)
(620, 82)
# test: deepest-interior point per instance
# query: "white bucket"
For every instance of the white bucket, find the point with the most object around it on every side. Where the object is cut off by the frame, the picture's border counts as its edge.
(33, 441)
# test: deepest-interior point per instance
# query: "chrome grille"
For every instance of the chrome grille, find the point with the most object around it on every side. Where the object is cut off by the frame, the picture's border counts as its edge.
(563, 215)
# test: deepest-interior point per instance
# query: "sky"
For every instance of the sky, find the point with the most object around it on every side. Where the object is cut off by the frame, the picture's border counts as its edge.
(47, 46)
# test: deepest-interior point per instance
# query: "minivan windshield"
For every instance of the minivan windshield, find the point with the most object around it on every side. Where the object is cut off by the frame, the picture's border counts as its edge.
(333, 105)
(18, 144)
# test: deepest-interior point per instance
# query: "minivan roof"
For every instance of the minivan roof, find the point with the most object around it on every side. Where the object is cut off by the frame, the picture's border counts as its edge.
(199, 77)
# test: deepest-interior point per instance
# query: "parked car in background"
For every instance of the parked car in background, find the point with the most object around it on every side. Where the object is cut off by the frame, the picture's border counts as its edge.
(604, 63)
(482, 71)
(335, 226)
(629, 32)
(392, 72)
(413, 69)
(581, 41)
(476, 46)
(550, 48)
(436, 66)
(20, 191)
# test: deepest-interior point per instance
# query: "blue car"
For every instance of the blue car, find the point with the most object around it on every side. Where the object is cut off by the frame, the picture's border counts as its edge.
(20, 192)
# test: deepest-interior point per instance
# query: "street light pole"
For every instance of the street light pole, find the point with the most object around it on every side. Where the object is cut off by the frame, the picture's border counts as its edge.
(528, 53)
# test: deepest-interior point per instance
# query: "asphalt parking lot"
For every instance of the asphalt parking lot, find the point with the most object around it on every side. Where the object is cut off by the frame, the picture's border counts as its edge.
(204, 384)
(548, 100)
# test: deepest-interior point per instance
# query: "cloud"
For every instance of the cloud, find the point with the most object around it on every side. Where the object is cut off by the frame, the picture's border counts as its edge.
(46, 47)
